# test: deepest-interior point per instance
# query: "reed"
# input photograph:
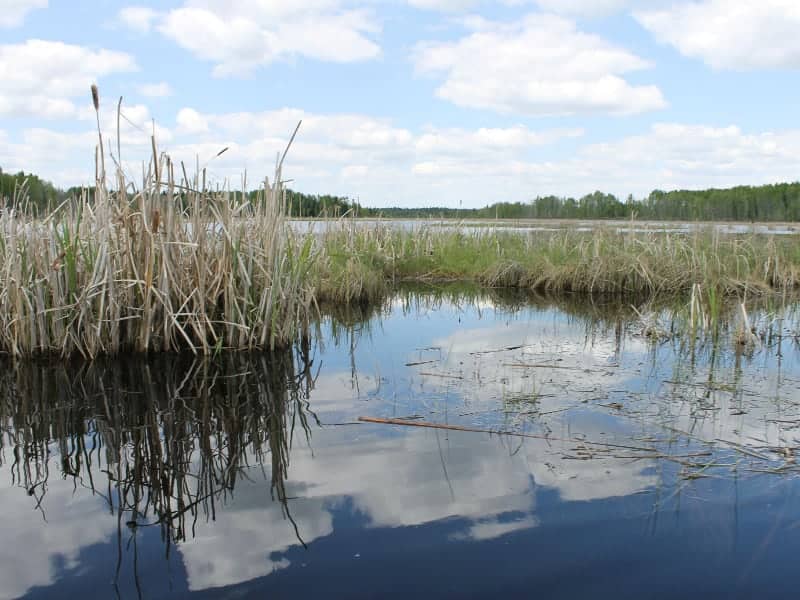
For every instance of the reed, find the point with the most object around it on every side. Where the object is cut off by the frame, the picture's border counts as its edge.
(166, 266)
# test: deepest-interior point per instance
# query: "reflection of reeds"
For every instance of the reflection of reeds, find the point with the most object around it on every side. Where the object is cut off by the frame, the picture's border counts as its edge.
(163, 441)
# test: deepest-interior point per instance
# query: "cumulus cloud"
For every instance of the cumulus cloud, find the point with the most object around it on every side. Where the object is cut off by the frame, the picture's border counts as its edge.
(138, 18)
(40, 78)
(355, 155)
(13, 12)
(443, 5)
(325, 143)
(574, 8)
(540, 66)
(242, 35)
(155, 90)
(666, 156)
(484, 140)
(191, 122)
(384, 164)
(675, 155)
(583, 8)
(66, 157)
(730, 34)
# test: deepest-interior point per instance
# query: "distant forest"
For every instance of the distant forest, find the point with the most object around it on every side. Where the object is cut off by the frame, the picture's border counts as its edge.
(778, 202)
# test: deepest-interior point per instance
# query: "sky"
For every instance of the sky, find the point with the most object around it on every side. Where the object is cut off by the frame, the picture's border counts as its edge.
(410, 102)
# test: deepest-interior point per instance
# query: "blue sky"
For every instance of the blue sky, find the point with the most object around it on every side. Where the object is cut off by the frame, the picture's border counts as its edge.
(412, 102)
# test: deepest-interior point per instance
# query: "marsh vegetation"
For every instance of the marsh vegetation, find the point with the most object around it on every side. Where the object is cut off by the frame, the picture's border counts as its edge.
(172, 265)
(169, 263)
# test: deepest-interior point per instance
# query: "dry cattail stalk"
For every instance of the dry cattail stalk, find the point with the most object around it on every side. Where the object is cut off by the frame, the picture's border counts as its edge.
(57, 262)
(101, 175)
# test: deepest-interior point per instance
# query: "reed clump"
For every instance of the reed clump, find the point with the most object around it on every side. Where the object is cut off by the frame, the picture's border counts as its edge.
(168, 266)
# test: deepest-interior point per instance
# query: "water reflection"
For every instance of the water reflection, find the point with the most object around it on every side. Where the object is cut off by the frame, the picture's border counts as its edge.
(162, 443)
(173, 476)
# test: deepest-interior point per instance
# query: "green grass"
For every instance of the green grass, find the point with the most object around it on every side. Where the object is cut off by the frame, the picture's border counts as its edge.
(602, 261)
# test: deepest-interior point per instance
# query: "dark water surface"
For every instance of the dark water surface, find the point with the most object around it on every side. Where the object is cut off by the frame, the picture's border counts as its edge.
(654, 467)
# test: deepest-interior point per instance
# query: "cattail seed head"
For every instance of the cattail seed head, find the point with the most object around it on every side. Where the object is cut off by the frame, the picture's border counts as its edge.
(95, 97)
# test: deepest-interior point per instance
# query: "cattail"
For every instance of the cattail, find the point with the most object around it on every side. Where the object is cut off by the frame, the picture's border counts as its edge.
(57, 262)
(95, 97)
(101, 176)
(155, 221)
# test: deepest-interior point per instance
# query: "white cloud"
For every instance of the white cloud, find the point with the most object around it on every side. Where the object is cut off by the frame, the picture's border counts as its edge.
(468, 152)
(674, 155)
(355, 155)
(324, 141)
(487, 140)
(52, 546)
(573, 8)
(444, 5)
(191, 122)
(66, 157)
(40, 77)
(540, 66)
(155, 90)
(668, 156)
(355, 171)
(242, 35)
(731, 34)
(383, 164)
(13, 12)
(445, 166)
(138, 18)
(583, 8)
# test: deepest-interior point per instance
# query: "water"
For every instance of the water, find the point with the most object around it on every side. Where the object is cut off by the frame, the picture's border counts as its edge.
(472, 226)
(655, 468)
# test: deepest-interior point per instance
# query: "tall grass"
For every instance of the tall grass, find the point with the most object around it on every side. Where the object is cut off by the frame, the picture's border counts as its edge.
(602, 261)
(166, 266)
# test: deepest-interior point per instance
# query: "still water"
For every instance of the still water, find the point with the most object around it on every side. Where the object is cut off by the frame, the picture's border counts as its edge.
(641, 466)
(529, 226)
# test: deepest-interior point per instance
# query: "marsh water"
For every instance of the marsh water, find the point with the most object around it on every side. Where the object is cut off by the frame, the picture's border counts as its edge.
(532, 226)
(605, 451)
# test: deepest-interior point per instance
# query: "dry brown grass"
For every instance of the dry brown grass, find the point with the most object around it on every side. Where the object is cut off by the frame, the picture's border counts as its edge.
(166, 266)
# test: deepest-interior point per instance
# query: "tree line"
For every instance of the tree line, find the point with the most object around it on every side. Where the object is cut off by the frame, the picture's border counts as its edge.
(41, 195)
(774, 202)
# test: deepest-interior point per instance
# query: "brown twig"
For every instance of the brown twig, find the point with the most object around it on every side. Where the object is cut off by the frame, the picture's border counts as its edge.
(428, 424)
